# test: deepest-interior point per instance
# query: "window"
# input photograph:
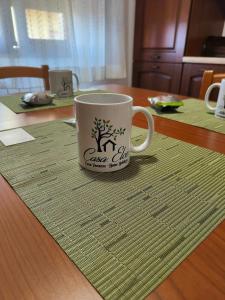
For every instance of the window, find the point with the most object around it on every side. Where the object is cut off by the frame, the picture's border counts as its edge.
(44, 25)
(86, 36)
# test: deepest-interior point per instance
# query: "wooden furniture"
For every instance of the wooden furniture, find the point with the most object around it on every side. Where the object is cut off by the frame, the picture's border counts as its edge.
(157, 76)
(33, 266)
(160, 30)
(209, 77)
(192, 77)
(22, 71)
(165, 30)
(206, 18)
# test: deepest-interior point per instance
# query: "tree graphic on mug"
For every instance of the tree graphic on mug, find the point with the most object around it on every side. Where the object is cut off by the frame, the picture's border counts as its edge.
(104, 130)
(66, 84)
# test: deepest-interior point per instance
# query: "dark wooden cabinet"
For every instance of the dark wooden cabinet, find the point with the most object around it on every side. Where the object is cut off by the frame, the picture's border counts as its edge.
(164, 31)
(160, 34)
(192, 76)
(206, 19)
(158, 76)
(160, 30)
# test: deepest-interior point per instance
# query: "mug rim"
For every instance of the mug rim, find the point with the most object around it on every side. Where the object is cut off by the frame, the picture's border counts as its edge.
(128, 99)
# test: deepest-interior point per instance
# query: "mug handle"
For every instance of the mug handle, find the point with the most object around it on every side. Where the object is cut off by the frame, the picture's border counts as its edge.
(150, 121)
(210, 88)
(77, 81)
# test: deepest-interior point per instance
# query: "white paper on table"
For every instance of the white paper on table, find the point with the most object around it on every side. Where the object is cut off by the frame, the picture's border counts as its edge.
(15, 136)
(87, 89)
(71, 121)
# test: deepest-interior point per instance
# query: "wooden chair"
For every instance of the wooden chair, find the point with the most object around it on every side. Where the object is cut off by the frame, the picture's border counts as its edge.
(209, 78)
(22, 71)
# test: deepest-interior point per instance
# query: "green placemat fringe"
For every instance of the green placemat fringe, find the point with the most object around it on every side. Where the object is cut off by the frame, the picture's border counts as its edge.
(125, 230)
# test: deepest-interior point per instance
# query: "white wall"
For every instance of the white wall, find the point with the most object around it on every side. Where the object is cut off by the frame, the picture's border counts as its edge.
(129, 44)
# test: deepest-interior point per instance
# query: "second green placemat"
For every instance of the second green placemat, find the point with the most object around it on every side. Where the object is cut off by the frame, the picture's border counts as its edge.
(194, 112)
(13, 102)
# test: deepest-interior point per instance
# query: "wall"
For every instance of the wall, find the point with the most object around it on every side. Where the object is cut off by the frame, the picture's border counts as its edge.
(130, 40)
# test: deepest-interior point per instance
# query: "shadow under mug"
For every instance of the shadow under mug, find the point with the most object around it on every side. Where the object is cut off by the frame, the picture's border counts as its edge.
(61, 82)
(104, 122)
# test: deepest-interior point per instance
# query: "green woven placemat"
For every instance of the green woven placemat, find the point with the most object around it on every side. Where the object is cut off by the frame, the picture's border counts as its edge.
(194, 112)
(14, 103)
(126, 230)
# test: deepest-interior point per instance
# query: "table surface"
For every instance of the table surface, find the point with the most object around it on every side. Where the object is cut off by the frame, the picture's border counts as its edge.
(32, 264)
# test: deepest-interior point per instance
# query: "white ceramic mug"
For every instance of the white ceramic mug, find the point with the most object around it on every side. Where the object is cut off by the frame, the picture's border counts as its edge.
(219, 109)
(61, 82)
(104, 123)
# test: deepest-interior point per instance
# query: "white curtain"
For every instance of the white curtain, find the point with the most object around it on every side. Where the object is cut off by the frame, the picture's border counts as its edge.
(89, 37)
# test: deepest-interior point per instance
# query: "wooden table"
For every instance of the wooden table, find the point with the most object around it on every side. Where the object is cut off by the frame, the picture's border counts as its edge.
(33, 266)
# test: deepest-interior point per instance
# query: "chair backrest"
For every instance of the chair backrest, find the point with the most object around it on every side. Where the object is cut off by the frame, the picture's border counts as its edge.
(22, 71)
(209, 77)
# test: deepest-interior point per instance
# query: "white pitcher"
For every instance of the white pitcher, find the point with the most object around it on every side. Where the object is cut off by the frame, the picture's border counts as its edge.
(219, 109)
(61, 82)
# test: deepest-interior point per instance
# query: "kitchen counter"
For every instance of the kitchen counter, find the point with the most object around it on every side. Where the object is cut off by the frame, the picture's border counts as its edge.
(203, 60)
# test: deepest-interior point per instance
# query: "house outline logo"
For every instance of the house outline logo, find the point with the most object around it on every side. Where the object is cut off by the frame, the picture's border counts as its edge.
(102, 131)
(104, 146)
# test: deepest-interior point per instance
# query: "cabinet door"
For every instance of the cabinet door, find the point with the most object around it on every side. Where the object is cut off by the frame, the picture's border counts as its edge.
(157, 76)
(192, 77)
(160, 30)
